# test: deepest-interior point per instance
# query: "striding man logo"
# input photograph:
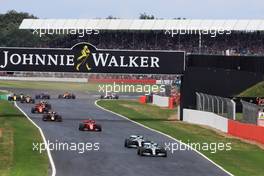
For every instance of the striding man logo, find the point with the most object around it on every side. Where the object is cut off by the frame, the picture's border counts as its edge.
(83, 59)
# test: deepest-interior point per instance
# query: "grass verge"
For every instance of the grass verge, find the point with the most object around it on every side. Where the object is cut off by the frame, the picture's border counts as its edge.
(243, 159)
(43, 85)
(17, 135)
(71, 86)
(254, 91)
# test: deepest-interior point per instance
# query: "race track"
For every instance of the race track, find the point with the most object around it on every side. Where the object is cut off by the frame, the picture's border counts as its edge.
(112, 159)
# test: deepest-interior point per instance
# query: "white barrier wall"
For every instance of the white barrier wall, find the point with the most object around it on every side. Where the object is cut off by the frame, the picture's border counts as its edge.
(80, 80)
(205, 118)
(167, 82)
(161, 101)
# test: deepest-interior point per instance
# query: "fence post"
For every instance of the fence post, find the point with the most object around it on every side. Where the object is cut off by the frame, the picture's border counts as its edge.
(198, 101)
(203, 101)
(212, 103)
(215, 104)
(234, 109)
(222, 106)
(208, 102)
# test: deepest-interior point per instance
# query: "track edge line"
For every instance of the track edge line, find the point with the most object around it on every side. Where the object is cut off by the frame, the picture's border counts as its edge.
(43, 138)
(220, 167)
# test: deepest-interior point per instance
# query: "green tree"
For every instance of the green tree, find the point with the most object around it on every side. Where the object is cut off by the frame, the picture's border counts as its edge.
(144, 16)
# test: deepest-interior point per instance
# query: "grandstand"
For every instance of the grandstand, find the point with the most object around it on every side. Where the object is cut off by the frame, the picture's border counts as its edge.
(245, 37)
(238, 37)
(236, 43)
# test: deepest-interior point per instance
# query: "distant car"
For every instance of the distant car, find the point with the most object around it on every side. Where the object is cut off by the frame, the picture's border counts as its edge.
(67, 95)
(109, 96)
(42, 107)
(45, 104)
(134, 141)
(27, 99)
(52, 116)
(15, 97)
(89, 125)
(150, 148)
(42, 96)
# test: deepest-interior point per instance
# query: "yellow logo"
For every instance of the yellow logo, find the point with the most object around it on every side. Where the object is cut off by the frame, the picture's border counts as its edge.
(83, 58)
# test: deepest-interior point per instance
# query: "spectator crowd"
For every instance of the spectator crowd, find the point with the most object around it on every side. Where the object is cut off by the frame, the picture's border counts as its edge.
(236, 43)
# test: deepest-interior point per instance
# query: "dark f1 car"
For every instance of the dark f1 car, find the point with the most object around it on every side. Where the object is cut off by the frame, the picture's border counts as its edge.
(110, 96)
(52, 116)
(42, 107)
(27, 99)
(134, 141)
(151, 149)
(42, 96)
(67, 95)
(15, 97)
(89, 125)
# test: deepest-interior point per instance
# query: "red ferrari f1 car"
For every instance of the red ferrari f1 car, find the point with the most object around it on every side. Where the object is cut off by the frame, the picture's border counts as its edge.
(42, 107)
(89, 125)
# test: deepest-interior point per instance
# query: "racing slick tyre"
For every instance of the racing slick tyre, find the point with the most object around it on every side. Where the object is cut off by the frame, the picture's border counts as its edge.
(126, 143)
(48, 106)
(37, 97)
(45, 118)
(165, 153)
(81, 127)
(99, 127)
(59, 119)
(33, 110)
(60, 97)
(140, 152)
(73, 97)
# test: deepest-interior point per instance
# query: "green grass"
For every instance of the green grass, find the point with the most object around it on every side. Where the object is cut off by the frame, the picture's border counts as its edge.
(17, 157)
(243, 159)
(254, 91)
(69, 86)
(239, 117)
(49, 85)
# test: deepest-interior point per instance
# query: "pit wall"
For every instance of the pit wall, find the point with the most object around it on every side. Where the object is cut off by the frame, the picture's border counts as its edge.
(84, 80)
(160, 101)
(127, 81)
(234, 128)
(206, 118)
(246, 131)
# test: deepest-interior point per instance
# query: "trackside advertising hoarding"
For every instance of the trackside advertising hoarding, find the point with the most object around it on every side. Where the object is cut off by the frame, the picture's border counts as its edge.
(85, 58)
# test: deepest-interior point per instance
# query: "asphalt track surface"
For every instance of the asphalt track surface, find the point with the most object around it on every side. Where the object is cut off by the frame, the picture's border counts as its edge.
(112, 158)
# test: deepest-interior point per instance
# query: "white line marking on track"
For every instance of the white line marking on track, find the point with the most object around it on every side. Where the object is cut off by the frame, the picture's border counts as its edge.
(44, 139)
(220, 167)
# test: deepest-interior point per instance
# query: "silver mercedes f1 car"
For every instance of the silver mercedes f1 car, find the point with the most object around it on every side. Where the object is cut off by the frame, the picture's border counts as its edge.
(150, 148)
(134, 141)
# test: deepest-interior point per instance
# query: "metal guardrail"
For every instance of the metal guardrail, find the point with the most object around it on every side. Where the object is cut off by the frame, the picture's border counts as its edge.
(250, 112)
(222, 106)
